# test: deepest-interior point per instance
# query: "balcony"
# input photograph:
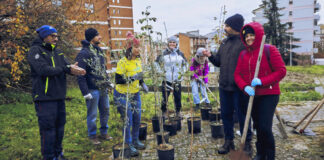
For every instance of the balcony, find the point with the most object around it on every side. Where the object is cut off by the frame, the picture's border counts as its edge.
(317, 17)
(317, 38)
(317, 29)
(317, 7)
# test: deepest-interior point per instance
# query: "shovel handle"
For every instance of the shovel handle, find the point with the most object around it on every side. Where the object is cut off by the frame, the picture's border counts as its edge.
(248, 114)
(306, 116)
(313, 115)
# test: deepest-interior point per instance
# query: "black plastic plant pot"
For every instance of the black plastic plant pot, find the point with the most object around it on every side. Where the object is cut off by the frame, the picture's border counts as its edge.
(178, 121)
(155, 124)
(171, 126)
(165, 152)
(217, 129)
(143, 131)
(159, 137)
(117, 151)
(196, 124)
(214, 116)
(204, 113)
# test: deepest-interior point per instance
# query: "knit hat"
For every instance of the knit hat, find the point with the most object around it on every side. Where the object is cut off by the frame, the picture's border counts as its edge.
(45, 31)
(235, 22)
(199, 57)
(247, 30)
(131, 40)
(173, 39)
(90, 33)
(200, 51)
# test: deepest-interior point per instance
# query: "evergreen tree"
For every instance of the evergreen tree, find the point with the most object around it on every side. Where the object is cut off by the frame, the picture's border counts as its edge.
(276, 31)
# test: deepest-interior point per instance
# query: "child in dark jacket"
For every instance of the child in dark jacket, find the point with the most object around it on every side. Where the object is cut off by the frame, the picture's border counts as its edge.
(200, 70)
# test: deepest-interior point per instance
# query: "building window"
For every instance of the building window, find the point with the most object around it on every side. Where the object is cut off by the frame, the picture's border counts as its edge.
(119, 22)
(89, 7)
(115, 33)
(57, 2)
(120, 33)
(117, 1)
(116, 44)
(114, 11)
(290, 1)
(113, 1)
(289, 25)
(120, 43)
(118, 11)
(114, 21)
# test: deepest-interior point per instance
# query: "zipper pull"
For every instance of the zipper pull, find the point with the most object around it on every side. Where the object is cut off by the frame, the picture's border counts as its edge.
(270, 86)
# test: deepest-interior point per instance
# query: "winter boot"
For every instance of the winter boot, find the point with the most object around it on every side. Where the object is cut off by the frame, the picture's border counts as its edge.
(228, 145)
(133, 151)
(138, 144)
(197, 107)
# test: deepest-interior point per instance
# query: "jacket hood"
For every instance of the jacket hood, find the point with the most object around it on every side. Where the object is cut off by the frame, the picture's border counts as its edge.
(85, 43)
(38, 41)
(258, 31)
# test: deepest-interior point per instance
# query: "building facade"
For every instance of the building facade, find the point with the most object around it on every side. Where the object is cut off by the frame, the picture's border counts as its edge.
(302, 22)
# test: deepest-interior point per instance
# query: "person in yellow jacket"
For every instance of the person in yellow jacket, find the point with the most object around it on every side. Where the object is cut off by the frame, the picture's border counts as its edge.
(129, 78)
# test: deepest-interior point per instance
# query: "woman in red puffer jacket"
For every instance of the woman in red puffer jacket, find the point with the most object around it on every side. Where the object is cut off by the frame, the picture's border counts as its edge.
(267, 91)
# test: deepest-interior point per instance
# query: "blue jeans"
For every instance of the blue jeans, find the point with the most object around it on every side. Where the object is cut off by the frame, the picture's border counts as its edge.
(100, 100)
(133, 119)
(231, 101)
(51, 120)
(195, 93)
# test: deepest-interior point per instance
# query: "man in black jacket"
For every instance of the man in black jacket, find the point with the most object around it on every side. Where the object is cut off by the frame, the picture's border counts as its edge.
(94, 84)
(48, 72)
(229, 93)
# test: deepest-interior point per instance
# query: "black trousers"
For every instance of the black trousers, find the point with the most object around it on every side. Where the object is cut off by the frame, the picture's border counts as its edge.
(51, 120)
(176, 95)
(262, 115)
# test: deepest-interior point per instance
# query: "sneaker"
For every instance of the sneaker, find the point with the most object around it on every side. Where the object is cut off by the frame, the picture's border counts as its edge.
(178, 114)
(228, 145)
(138, 144)
(94, 140)
(133, 151)
(105, 137)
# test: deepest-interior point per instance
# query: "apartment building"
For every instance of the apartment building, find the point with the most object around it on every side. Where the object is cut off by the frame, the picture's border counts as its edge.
(190, 41)
(302, 22)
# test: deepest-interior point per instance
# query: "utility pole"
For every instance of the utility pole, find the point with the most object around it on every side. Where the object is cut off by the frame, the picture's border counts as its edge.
(166, 31)
(290, 54)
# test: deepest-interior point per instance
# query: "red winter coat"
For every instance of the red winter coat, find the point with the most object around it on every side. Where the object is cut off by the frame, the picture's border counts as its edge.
(269, 74)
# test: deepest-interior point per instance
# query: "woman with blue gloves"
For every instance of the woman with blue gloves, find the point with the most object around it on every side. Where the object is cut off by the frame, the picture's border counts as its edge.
(267, 91)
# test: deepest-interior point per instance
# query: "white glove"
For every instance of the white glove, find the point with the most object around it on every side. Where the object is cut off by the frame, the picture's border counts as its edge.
(88, 96)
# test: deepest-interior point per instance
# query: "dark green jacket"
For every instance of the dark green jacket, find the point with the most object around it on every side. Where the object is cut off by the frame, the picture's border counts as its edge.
(48, 69)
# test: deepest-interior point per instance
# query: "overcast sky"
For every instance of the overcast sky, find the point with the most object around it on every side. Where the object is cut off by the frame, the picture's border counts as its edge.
(188, 15)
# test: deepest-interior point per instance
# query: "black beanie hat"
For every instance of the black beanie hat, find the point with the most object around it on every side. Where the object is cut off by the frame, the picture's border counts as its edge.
(235, 22)
(90, 33)
(247, 30)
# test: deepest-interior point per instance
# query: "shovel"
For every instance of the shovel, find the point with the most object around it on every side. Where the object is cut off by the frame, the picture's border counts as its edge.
(240, 154)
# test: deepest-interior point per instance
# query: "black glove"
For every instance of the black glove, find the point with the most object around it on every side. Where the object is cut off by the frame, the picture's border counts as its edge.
(145, 88)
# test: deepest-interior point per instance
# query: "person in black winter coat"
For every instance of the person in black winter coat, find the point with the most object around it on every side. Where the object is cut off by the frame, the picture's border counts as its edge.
(230, 95)
(94, 84)
(48, 71)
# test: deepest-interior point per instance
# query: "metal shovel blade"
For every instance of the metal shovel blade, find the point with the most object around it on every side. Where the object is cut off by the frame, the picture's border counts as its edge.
(239, 154)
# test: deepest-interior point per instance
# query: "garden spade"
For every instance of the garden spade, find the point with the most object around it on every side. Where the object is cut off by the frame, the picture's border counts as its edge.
(240, 154)
(281, 126)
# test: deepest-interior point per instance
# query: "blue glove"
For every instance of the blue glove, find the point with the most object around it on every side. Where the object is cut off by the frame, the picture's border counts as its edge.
(256, 82)
(145, 88)
(249, 90)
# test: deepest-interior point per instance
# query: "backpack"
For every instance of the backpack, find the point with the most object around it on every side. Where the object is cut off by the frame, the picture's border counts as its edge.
(267, 53)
